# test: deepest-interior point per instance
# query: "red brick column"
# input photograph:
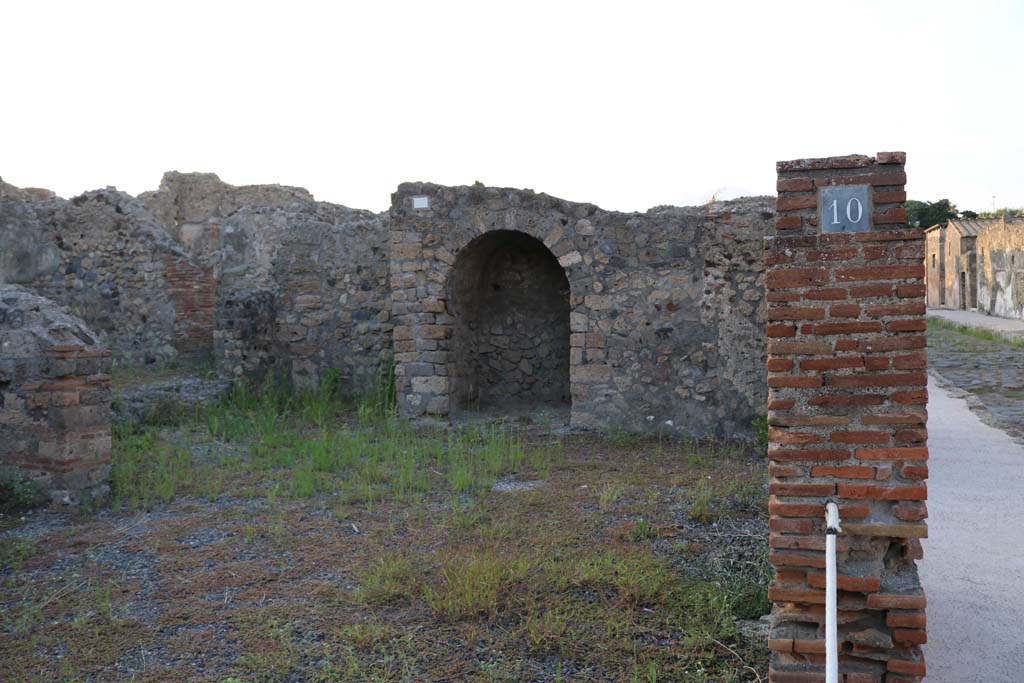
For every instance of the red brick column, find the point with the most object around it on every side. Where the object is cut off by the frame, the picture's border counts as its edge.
(847, 395)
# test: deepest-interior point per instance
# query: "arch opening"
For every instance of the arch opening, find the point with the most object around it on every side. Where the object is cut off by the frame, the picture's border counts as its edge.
(509, 298)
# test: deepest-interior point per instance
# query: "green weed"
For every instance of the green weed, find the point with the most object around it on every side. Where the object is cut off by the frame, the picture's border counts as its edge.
(18, 492)
(621, 439)
(14, 552)
(981, 333)
(760, 425)
(144, 471)
(390, 578)
(701, 498)
(609, 495)
(473, 586)
(642, 531)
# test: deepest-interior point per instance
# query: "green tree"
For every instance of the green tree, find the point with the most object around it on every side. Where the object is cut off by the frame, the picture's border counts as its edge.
(927, 214)
(1013, 212)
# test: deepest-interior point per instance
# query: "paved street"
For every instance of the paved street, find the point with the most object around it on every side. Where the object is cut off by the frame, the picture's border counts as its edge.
(973, 570)
(991, 369)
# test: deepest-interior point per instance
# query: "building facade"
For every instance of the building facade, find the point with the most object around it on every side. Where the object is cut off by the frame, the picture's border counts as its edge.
(952, 262)
(1000, 258)
(935, 265)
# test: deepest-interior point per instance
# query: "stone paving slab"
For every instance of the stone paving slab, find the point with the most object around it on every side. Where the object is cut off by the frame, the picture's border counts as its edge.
(992, 370)
(973, 567)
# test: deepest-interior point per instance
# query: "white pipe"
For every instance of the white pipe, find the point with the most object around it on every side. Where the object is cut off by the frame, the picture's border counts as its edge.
(831, 646)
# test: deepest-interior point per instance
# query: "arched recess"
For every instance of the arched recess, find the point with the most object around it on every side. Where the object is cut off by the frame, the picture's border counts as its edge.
(509, 298)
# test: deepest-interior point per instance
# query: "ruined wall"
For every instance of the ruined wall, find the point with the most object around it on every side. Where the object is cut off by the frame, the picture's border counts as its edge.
(1000, 251)
(327, 270)
(193, 206)
(846, 410)
(644, 320)
(935, 265)
(105, 257)
(265, 277)
(301, 285)
(665, 307)
(54, 396)
(245, 338)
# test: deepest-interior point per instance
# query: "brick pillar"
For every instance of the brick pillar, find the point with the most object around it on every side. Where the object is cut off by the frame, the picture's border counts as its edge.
(846, 408)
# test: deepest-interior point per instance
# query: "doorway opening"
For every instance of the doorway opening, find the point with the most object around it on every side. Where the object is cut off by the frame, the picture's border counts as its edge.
(509, 297)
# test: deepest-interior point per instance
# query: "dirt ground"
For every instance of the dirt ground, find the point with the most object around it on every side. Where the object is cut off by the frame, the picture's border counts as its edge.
(245, 554)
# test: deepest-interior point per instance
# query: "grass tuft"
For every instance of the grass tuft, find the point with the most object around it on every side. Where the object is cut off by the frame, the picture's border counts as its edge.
(976, 332)
(473, 586)
(20, 493)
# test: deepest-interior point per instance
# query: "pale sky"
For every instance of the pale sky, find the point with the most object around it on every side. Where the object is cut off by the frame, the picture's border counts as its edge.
(625, 104)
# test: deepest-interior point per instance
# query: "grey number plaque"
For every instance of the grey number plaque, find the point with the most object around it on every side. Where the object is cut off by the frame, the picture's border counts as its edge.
(845, 209)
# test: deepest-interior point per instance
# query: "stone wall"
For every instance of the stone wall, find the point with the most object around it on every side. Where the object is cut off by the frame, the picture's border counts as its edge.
(245, 335)
(301, 285)
(665, 307)
(313, 273)
(108, 260)
(1000, 252)
(174, 273)
(325, 268)
(54, 396)
(644, 321)
(193, 206)
(847, 394)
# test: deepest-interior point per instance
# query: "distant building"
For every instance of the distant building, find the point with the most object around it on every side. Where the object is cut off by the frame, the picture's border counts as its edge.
(976, 264)
(954, 260)
(1000, 258)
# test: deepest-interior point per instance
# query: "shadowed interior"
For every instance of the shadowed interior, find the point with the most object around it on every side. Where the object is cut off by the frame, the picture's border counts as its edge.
(510, 300)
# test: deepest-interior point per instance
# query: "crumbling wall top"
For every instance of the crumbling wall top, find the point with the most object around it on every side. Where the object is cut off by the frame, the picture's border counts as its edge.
(198, 197)
(31, 325)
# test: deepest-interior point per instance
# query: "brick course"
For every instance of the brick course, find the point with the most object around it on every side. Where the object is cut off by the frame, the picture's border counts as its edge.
(847, 386)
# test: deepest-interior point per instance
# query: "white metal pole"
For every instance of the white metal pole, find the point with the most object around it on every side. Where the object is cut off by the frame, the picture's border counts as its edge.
(831, 645)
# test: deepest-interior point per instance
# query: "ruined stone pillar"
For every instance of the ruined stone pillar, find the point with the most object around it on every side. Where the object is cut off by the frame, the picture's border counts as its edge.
(54, 397)
(847, 395)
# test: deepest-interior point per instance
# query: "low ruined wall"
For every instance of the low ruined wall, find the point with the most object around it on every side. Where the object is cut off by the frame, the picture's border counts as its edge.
(1000, 253)
(105, 257)
(666, 307)
(54, 396)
